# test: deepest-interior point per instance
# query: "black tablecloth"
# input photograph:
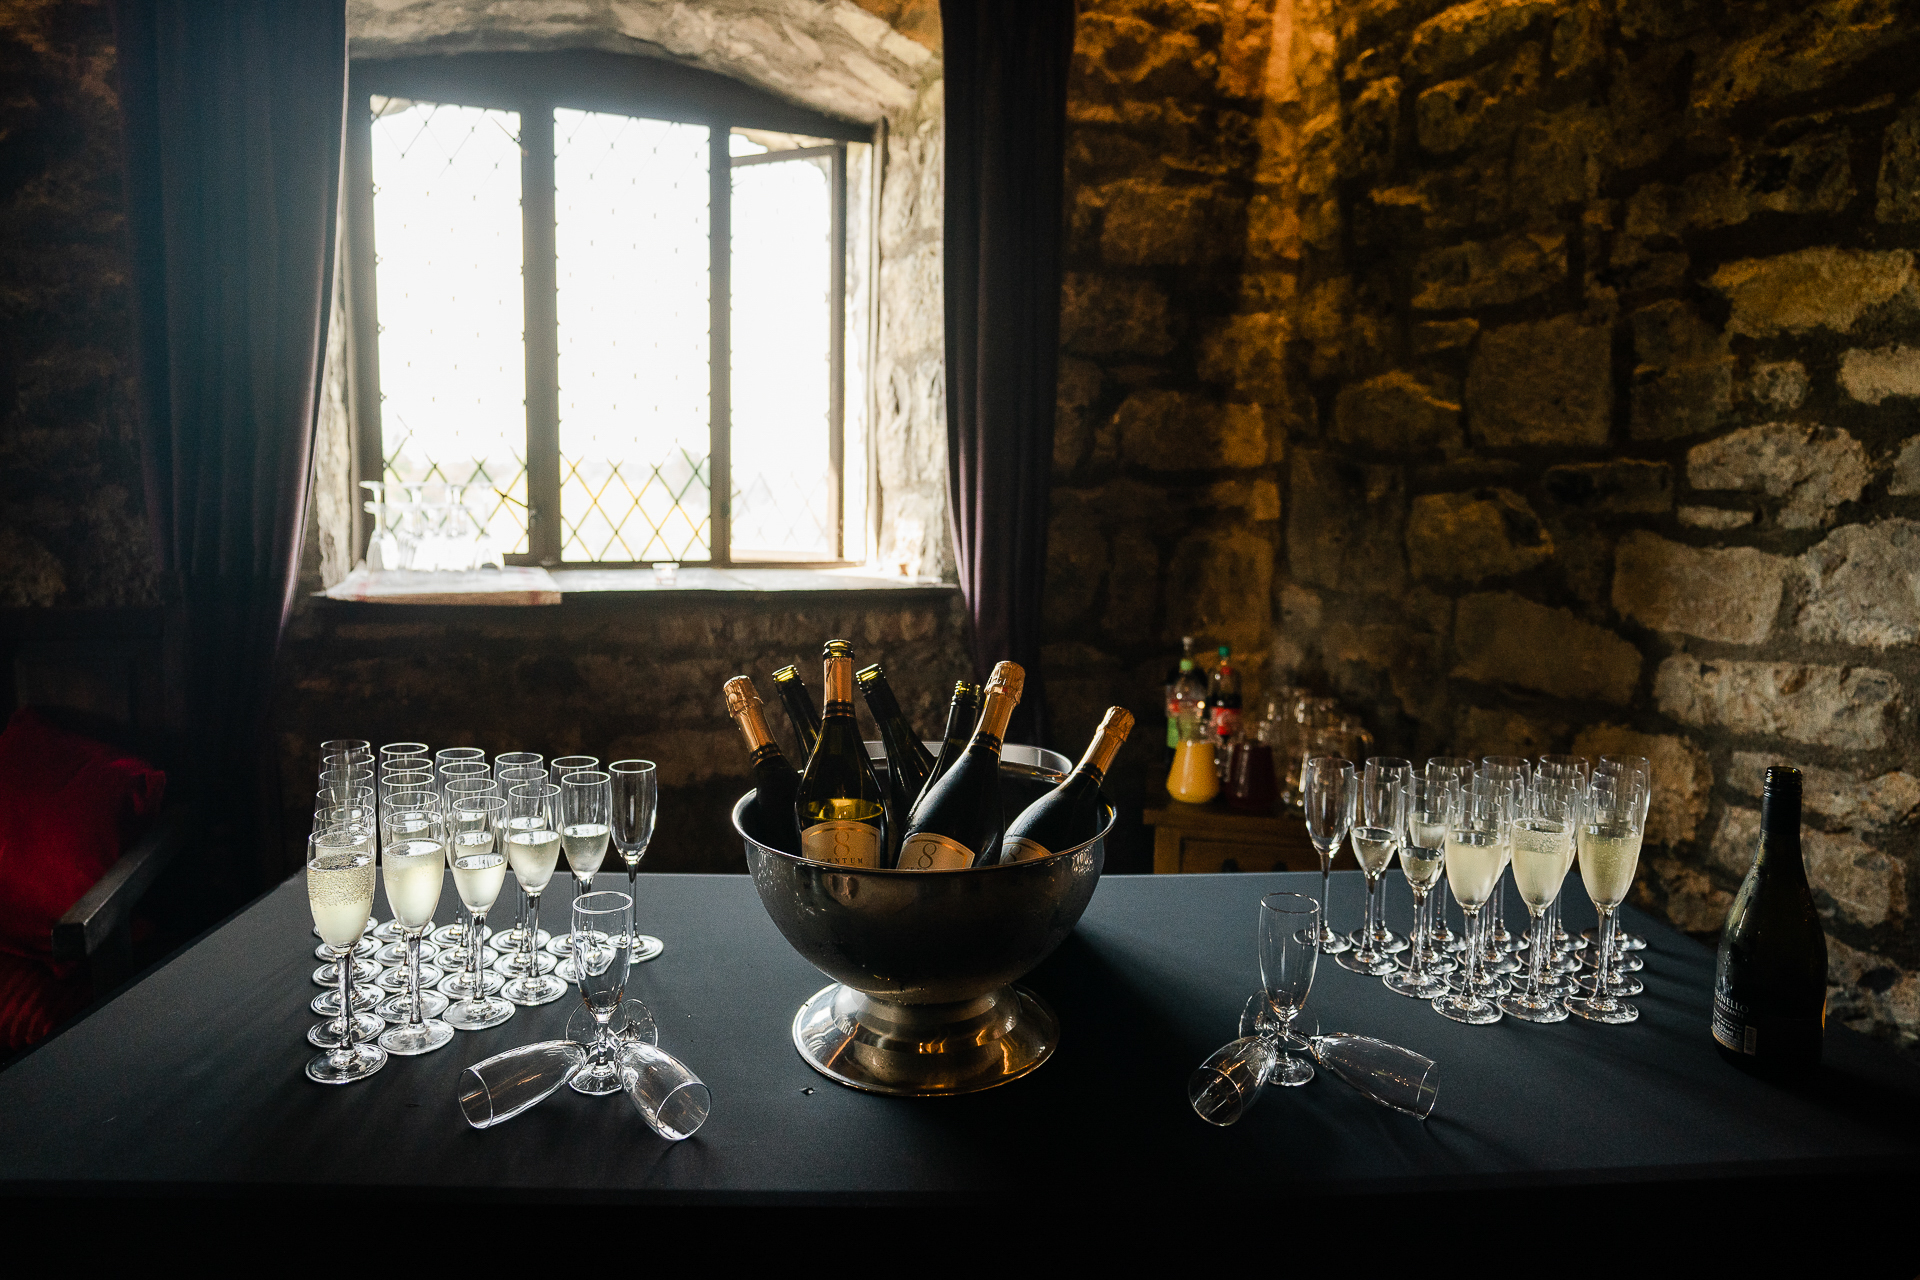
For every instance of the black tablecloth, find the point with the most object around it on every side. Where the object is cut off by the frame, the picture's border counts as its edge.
(192, 1079)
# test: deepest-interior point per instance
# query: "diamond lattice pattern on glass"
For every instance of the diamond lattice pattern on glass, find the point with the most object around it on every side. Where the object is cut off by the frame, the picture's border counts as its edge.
(635, 390)
(782, 362)
(446, 211)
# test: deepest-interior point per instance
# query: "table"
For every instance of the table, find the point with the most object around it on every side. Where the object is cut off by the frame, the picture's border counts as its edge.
(191, 1081)
(1215, 837)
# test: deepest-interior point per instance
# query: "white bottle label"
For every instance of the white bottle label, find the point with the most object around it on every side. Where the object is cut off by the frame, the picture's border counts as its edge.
(1021, 849)
(842, 842)
(925, 851)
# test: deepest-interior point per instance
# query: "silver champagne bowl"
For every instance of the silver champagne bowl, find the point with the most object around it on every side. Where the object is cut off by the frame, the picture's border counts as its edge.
(924, 963)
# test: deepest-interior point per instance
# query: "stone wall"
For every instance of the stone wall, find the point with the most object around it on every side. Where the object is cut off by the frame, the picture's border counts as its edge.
(72, 509)
(1583, 341)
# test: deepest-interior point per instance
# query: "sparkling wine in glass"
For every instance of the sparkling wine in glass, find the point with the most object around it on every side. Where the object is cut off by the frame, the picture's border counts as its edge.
(585, 798)
(340, 893)
(1473, 861)
(533, 851)
(1607, 840)
(413, 867)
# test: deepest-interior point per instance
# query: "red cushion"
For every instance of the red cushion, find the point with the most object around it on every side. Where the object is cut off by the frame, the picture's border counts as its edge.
(68, 807)
(33, 1001)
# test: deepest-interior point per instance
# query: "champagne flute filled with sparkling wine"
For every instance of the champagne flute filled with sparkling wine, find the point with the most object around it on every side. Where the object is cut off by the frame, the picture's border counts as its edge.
(1608, 839)
(533, 851)
(340, 894)
(413, 867)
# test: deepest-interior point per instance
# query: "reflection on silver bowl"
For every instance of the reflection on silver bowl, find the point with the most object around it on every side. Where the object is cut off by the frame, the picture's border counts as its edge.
(924, 962)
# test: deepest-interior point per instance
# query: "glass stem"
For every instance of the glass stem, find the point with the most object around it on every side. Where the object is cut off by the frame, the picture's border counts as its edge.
(476, 933)
(1542, 945)
(343, 1052)
(1326, 877)
(1416, 966)
(1602, 975)
(413, 977)
(1367, 943)
(1473, 925)
(531, 923)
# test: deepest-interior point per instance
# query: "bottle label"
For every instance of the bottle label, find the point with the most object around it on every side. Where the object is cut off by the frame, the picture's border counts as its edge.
(842, 842)
(925, 851)
(1731, 1027)
(1226, 722)
(1021, 849)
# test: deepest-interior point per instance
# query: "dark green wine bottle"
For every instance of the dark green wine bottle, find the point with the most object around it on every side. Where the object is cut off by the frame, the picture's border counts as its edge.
(776, 782)
(799, 704)
(957, 822)
(840, 808)
(909, 763)
(1770, 979)
(962, 714)
(1069, 814)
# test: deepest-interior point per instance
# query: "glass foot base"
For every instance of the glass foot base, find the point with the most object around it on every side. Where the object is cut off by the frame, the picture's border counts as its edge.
(515, 938)
(396, 953)
(396, 979)
(596, 1081)
(1608, 1010)
(344, 1066)
(1331, 943)
(410, 1038)
(1373, 963)
(327, 1003)
(514, 963)
(400, 1008)
(1622, 940)
(1527, 1009)
(456, 958)
(477, 1015)
(1492, 986)
(458, 986)
(387, 931)
(646, 947)
(327, 1035)
(1425, 987)
(1468, 1009)
(1616, 986)
(1289, 1072)
(361, 949)
(365, 972)
(529, 992)
(454, 935)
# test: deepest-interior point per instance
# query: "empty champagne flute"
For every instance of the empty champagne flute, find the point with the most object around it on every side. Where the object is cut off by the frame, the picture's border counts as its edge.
(1227, 1085)
(1423, 867)
(533, 850)
(346, 746)
(413, 866)
(635, 805)
(1542, 838)
(1328, 791)
(1607, 840)
(1440, 770)
(447, 755)
(561, 766)
(585, 827)
(398, 750)
(602, 955)
(1290, 926)
(671, 1099)
(501, 1087)
(340, 894)
(1384, 1073)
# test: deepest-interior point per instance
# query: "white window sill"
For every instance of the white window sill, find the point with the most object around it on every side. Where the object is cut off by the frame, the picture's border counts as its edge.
(530, 585)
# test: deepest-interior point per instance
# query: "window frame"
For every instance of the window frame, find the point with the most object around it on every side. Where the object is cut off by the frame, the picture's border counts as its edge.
(535, 85)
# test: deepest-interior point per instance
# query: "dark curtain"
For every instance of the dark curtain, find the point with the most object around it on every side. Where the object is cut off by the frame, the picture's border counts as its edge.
(1006, 93)
(234, 115)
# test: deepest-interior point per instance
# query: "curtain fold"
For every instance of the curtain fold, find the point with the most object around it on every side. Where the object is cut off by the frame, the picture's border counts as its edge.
(1006, 93)
(234, 115)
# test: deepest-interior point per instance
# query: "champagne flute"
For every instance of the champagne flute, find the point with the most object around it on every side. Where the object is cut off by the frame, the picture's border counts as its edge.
(1542, 855)
(512, 769)
(1422, 866)
(1473, 863)
(1328, 792)
(1638, 766)
(1439, 770)
(1290, 933)
(1607, 840)
(474, 824)
(1383, 801)
(1511, 771)
(340, 894)
(479, 872)
(533, 850)
(1427, 829)
(405, 750)
(603, 955)
(413, 866)
(561, 766)
(1400, 774)
(636, 800)
(405, 813)
(461, 793)
(447, 755)
(586, 798)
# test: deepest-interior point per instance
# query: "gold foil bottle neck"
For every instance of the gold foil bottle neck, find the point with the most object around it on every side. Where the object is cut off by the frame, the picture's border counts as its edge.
(837, 675)
(740, 695)
(1008, 678)
(1114, 728)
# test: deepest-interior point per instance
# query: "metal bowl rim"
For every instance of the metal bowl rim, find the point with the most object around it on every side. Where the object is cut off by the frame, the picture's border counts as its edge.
(740, 805)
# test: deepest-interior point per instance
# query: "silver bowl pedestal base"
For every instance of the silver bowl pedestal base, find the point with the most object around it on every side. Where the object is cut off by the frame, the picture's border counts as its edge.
(924, 1050)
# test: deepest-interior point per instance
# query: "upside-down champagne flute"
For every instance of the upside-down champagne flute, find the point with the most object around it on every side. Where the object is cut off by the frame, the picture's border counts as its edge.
(1328, 791)
(1542, 838)
(533, 850)
(1607, 839)
(413, 866)
(1473, 861)
(602, 954)
(636, 800)
(340, 894)
(1423, 867)
(586, 796)
(479, 871)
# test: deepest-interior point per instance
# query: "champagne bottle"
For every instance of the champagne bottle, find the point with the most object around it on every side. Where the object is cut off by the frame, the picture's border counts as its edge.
(840, 807)
(1770, 979)
(962, 713)
(799, 704)
(776, 783)
(1070, 813)
(909, 763)
(957, 822)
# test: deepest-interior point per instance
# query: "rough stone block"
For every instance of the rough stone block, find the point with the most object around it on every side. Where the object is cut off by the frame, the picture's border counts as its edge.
(1346, 524)
(1683, 381)
(1714, 518)
(1153, 224)
(1076, 563)
(1545, 383)
(1863, 586)
(1851, 799)
(1812, 289)
(1469, 537)
(1682, 776)
(1175, 431)
(1220, 582)
(1397, 413)
(1505, 639)
(1871, 994)
(1104, 316)
(1844, 707)
(1625, 485)
(1077, 389)
(1852, 881)
(1436, 336)
(1904, 482)
(1694, 904)
(1811, 174)
(1873, 376)
(1490, 273)
(1810, 471)
(1728, 594)
(1133, 583)
(1806, 47)
(1899, 186)
(1478, 731)
(1248, 352)
(1456, 38)
(1781, 384)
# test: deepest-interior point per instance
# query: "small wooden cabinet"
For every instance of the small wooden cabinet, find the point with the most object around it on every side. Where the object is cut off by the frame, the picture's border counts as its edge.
(1213, 837)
